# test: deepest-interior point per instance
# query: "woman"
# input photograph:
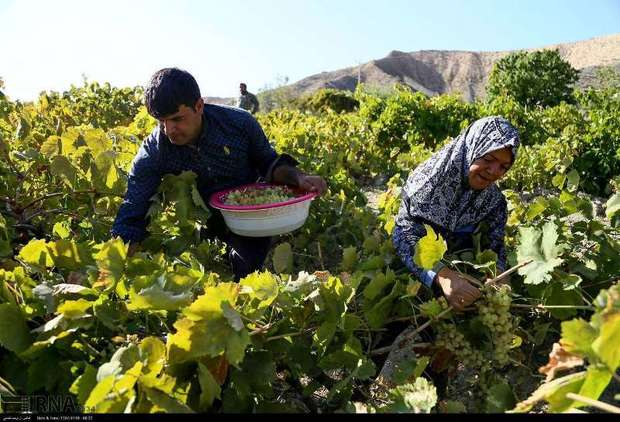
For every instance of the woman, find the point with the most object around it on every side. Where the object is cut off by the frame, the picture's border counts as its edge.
(454, 191)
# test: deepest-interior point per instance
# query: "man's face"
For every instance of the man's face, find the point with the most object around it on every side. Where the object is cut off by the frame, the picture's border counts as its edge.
(184, 126)
(489, 168)
(242, 88)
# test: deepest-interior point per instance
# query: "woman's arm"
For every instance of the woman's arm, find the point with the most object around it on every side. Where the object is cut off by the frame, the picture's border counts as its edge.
(497, 232)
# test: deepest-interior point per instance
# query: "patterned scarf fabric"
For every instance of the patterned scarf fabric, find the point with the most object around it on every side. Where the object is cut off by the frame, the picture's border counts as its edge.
(438, 190)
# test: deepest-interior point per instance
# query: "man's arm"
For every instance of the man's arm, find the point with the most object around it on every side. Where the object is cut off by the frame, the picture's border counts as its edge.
(289, 175)
(144, 178)
(278, 169)
(255, 105)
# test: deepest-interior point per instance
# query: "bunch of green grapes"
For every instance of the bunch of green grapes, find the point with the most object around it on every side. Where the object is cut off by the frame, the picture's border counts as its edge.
(450, 338)
(259, 196)
(494, 310)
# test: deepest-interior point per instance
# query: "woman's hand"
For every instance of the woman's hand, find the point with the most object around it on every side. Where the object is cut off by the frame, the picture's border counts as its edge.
(457, 290)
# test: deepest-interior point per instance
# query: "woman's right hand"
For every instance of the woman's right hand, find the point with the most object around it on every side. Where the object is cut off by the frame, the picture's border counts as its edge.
(457, 290)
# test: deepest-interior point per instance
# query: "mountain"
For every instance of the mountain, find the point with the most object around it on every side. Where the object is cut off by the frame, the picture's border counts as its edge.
(465, 73)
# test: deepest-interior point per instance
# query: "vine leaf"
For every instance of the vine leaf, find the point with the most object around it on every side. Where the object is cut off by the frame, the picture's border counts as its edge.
(283, 258)
(542, 248)
(430, 249)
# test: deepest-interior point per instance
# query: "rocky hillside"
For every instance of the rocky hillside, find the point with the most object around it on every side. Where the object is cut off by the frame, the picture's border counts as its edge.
(464, 72)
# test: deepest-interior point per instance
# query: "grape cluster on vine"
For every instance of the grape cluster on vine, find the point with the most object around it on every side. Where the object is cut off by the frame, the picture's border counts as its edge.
(494, 311)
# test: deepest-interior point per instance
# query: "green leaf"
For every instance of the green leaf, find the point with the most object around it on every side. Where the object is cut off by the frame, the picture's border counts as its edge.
(14, 333)
(597, 379)
(612, 207)
(500, 398)
(378, 283)
(419, 397)
(209, 305)
(536, 208)
(283, 258)
(62, 229)
(262, 288)
(73, 309)
(558, 180)
(111, 260)
(155, 297)
(430, 249)
(578, 336)
(209, 388)
(606, 345)
(164, 402)
(377, 315)
(153, 355)
(349, 258)
(84, 384)
(554, 392)
(323, 336)
(68, 254)
(544, 252)
(210, 337)
(35, 253)
(62, 168)
(573, 180)
(557, 295)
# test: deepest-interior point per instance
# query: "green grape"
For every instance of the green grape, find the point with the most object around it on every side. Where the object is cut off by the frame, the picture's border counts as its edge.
(259, 196)
(495, 315)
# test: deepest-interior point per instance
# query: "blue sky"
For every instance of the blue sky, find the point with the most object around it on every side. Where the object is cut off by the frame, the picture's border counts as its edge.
(50, 44)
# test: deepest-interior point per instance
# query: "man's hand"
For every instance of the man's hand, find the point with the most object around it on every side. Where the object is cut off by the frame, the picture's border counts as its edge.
(457, 290)
(312, 183)
(133, 248)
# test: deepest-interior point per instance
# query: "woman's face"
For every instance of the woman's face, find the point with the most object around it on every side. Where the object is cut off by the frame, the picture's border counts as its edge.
(489, 168)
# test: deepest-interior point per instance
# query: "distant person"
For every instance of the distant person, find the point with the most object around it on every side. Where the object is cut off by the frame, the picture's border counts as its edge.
(247, 100)
(224, 146)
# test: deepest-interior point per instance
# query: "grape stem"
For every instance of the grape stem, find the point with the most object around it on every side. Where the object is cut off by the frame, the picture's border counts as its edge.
(519, 305)
(508, 272)
(411, 346)
(411, 335)
(594, 403)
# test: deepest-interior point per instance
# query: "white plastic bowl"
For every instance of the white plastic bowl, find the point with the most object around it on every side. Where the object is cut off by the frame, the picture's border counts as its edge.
(263, 220)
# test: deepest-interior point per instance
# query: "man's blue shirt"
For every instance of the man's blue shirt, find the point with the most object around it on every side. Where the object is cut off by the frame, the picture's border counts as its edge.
(232, 150)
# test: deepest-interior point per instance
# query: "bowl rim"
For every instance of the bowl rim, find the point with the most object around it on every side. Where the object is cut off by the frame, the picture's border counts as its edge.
(216, 202)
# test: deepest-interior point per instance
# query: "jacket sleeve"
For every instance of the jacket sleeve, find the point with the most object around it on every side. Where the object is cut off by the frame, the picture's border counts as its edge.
(144, 179)
(497, 231)
(407, 232)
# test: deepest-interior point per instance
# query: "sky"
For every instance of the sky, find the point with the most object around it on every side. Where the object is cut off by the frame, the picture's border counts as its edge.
(50, 45)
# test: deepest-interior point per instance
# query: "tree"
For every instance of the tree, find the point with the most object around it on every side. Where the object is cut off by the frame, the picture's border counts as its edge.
(540, 78)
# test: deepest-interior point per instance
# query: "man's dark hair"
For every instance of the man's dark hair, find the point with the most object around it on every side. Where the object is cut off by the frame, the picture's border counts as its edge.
(168, 89)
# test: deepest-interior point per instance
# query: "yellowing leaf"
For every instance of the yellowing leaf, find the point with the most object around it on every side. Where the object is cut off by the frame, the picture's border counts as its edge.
(430, 249)
(35, 253)
(111, 260)
(209, 305)
(72, 309)
(260, 286)
(68, 254)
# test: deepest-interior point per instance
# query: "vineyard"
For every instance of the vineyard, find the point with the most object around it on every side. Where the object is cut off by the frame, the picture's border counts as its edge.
(335, 323)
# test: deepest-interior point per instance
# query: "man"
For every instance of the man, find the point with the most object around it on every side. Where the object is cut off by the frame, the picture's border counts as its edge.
(224, 146)
(247, 100)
